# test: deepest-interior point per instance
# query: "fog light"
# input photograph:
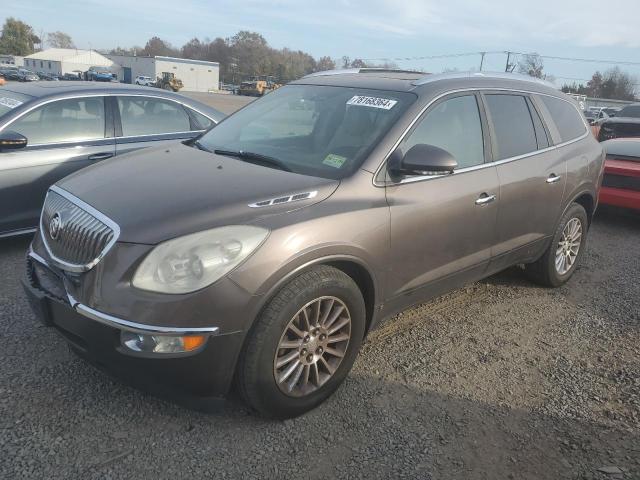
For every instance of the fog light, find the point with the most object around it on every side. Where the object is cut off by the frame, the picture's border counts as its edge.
(143, 343)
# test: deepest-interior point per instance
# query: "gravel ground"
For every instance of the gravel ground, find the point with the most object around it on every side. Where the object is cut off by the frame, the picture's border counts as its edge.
(499, 380)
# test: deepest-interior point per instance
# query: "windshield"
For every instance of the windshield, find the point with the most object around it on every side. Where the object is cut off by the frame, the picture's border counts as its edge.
(10, 100)
(313, 130)
(630, 111)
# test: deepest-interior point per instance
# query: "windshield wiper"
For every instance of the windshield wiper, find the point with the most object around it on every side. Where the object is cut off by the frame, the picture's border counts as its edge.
(197, 144)
(252, 157)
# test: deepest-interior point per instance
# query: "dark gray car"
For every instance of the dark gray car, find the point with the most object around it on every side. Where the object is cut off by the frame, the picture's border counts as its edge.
(48, 131)
(262, 254)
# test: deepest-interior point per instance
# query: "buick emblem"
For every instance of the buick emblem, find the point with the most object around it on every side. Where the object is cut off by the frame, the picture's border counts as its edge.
(55, 225)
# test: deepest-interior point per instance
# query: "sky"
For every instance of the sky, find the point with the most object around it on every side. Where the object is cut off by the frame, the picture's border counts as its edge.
(372, 29)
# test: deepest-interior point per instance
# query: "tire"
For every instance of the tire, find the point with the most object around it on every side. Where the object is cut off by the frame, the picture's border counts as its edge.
(329, 289)
(545, 271)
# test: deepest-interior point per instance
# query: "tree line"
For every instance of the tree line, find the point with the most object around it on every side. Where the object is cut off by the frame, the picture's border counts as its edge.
(248, 54)
(613, 83)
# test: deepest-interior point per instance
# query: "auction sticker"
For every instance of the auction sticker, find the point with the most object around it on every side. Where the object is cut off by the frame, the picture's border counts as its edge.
(375, 102)
(333, 160)
(10, 102)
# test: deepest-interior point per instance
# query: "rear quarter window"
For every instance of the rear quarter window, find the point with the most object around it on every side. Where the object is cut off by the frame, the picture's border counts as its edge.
(565, 116)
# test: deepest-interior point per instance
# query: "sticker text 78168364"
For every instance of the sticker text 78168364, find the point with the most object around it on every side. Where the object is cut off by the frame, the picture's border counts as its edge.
(375, 102)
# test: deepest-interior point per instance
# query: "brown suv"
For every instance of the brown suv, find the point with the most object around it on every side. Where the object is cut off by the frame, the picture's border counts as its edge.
(261, 254)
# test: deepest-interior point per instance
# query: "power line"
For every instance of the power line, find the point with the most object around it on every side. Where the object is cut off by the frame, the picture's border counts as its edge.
(502, 52)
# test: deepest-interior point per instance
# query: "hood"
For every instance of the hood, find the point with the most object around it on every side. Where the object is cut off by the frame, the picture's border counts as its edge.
(160, 193)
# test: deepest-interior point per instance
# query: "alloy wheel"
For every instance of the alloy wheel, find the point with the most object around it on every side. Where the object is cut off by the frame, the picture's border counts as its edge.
(312, 346)
(568, 246)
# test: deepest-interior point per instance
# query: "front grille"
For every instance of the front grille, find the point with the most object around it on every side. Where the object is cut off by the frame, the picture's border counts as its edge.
(75, 238)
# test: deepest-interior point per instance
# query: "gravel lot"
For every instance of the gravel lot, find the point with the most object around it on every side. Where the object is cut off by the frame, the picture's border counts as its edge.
(498, 380)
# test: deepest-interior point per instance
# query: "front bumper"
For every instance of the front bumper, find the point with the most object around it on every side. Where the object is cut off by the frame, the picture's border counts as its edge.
(95, 336)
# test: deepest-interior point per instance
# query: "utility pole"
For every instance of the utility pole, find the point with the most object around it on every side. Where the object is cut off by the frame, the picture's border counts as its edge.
(508, 65)
(482, 59)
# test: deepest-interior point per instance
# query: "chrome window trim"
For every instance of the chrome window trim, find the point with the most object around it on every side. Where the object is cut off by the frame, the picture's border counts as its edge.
(91, 95)
(156, 134)
(420, 178)
(72, 267)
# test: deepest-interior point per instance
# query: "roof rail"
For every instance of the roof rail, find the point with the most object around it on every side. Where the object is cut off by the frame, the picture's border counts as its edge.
(346, 71)
(502, 75)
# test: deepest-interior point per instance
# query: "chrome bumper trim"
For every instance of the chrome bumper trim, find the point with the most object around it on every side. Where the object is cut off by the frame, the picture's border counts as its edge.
(121, 324)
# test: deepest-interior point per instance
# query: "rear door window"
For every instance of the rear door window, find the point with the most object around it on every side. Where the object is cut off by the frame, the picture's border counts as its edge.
(565, 116)
(513, 129)
(541, 134)
(71, 120)
(151, 116)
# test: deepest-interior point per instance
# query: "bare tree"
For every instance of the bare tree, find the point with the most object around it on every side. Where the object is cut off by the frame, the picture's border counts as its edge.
(531, 64)
(325, 63)
(60, 40)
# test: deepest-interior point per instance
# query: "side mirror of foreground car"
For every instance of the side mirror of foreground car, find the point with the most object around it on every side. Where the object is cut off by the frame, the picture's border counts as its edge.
(422, 159)
(12, 140)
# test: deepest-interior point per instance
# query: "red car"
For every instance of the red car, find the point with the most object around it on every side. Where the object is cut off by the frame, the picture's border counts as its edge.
(621, 182)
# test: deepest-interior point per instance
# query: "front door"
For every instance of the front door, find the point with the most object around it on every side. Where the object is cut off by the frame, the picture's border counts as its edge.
(63, 136)
(443, 227)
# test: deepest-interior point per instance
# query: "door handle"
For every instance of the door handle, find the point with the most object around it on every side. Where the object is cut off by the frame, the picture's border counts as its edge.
(101, 156)
(484, 199)
(553, 178)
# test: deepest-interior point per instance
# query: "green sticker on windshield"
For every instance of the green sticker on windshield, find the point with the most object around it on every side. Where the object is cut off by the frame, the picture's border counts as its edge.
(333, 160)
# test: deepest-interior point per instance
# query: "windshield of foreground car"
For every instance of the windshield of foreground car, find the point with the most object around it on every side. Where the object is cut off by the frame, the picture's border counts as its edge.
(323, 131)
(10, 100)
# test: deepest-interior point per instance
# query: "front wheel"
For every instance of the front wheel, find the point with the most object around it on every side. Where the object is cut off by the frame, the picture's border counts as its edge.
(303, 345)
(560, 260)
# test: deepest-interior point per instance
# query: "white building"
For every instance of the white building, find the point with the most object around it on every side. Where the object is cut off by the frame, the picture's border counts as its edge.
(196, 75)
(59, 61)
(15, 60)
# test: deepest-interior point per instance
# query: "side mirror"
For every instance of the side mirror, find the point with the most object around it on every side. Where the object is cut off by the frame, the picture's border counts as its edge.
(421, 159)
(11, 140)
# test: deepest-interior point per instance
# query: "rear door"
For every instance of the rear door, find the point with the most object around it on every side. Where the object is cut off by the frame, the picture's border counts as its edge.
(532, 177)
(143, 121)
(63, 136)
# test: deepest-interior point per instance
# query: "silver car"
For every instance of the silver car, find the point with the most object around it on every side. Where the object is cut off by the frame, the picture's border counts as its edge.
(48, 131)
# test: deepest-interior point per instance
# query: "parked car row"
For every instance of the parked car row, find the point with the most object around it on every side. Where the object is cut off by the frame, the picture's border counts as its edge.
(18, 74)
(262, 253)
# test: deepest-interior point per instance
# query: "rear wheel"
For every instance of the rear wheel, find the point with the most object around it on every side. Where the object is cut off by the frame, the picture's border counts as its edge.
(560, 260)
(303, 344)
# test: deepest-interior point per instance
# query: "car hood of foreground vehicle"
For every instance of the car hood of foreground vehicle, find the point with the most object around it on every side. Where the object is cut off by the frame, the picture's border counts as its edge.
(160, 193)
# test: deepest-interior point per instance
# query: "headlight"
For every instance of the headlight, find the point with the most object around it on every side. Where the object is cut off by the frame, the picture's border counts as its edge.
(192, 262)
